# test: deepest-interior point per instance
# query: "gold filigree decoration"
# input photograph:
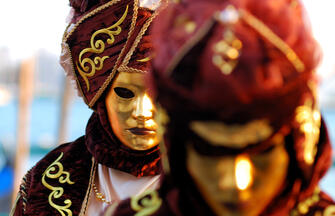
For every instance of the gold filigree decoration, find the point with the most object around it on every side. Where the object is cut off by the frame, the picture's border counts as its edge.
(230, 16)
(146, 204)
(146, 59)
(88, 67)
(56, 171)
(303, 207)
(234, 136)
(329, 211)
(310, 122)
(226, 52)
(183, 21)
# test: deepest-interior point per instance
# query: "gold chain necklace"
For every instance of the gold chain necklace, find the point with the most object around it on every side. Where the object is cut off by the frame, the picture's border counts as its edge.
(99, 195)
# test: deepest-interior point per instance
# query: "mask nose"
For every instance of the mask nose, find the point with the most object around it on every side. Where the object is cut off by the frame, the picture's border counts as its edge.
(144, 108)
(226, 172)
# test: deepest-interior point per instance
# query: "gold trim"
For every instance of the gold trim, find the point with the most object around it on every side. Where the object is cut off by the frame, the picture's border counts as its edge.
(266, 32)
(139, 37)
(89, 189)
(130, 70)
(12, 211)
(146, 204)
(63, 177)
(95, 11)
(112, 74)
(98, 47)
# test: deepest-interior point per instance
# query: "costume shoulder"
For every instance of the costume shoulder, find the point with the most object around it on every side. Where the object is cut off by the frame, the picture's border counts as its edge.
(57, 184)
(317, 204)
(148, 203)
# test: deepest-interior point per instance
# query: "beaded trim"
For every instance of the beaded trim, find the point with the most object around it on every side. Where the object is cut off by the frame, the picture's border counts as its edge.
(100, 196)
(303, 207)
(89, 189)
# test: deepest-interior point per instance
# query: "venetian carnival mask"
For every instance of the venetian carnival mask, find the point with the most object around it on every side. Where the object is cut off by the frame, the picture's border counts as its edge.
(241, 184)
(131, 112)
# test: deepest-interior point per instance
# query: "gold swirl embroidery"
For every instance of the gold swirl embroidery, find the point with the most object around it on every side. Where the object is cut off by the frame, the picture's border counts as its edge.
(146, 204)
(146, 59)
(98, 47)
(56, 171)
(329, 211)
(310, 122)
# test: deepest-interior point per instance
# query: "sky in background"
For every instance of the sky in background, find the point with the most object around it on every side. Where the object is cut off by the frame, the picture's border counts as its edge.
(27, 26)
(322, 17)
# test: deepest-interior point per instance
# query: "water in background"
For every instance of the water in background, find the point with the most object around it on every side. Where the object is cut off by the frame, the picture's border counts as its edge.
(45, 115)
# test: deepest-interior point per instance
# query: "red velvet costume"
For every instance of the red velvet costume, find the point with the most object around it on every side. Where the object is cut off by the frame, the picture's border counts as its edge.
(61, 183)
(272, 78)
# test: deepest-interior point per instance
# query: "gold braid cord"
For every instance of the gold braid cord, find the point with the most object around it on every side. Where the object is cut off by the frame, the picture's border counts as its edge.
(88, 67)
(266, 32)
(146, 204)
(56, 171)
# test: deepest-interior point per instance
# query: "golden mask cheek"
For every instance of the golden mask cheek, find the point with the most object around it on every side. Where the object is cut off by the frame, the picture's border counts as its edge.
(270, 175)
(118, 113)
(205, 172)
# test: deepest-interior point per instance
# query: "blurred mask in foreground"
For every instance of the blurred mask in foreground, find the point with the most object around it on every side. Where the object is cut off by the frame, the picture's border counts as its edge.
(242, 184)
(238, 82)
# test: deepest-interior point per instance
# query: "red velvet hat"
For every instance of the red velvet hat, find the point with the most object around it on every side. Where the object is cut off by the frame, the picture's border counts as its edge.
(103, 38)
(236, 61)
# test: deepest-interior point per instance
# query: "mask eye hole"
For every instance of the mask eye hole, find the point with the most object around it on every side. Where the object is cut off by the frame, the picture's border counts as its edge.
(124, 92)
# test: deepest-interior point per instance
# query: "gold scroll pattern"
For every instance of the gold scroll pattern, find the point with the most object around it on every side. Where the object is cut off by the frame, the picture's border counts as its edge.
(56, 171)
(87, 67)
(310, 122)
(146, 204)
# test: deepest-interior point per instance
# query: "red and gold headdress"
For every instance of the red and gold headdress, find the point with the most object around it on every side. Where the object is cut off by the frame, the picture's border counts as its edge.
(237, 64)
(247, 68)
(105, 37)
